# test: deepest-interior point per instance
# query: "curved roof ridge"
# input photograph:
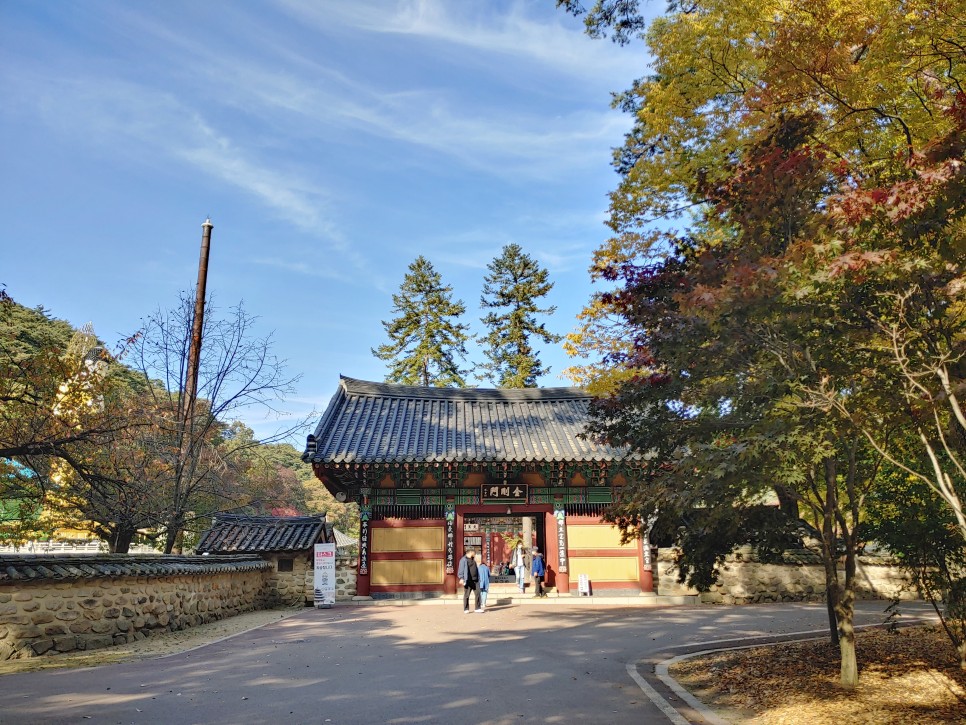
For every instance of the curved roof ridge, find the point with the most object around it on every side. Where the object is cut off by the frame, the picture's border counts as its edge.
(353, 386)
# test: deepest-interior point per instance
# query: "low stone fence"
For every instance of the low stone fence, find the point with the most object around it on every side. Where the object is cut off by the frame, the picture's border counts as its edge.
(799, 578)
(51, 604)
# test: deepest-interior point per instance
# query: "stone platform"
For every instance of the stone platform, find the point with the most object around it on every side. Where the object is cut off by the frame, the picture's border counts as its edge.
(551, 600)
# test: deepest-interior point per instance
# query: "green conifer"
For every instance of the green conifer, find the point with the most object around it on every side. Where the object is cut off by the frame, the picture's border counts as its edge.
(426, 339)
(511, 289)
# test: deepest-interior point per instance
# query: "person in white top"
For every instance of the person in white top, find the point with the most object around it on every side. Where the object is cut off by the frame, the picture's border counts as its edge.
(521, 565)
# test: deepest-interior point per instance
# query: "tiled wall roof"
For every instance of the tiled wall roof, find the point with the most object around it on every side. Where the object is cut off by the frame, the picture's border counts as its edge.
(255, 534)
(22, 568)
(377, 422)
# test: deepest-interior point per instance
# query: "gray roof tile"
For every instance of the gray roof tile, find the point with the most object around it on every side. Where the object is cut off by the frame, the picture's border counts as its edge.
(20, 568)
(235, 533)
(381, 423)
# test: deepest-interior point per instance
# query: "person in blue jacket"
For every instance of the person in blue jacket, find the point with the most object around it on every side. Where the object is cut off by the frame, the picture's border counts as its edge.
(484, 572)
(538, 569)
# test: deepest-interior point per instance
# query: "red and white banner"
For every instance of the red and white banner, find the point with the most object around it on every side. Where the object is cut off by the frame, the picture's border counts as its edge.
(324, 575)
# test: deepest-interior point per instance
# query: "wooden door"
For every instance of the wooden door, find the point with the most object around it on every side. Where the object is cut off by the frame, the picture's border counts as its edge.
(498, 550)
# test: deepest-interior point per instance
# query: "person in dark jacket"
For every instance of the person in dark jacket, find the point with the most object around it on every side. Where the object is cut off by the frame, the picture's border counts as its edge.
(538, 569)
(469, 576)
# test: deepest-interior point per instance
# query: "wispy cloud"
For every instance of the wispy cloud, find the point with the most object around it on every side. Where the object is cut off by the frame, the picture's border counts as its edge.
(154, 127)
(560, 46)
(503, 141)
(304, 268)
(150, 125)
(301, 203)
(299, 93)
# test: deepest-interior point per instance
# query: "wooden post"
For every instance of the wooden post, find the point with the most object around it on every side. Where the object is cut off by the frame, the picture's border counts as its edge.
(197, 325)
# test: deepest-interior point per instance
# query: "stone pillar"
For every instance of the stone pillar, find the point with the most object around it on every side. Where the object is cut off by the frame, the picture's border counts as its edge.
(362, 577)
(563, 565)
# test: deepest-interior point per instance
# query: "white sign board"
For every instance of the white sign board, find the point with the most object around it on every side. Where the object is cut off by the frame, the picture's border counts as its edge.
(324, 575)
(583, 586)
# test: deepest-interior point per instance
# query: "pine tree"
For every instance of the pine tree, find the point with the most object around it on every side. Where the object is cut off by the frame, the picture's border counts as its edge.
(511, 289)
(426, 339)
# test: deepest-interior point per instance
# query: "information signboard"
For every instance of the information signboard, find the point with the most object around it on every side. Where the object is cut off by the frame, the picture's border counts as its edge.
(324, 575)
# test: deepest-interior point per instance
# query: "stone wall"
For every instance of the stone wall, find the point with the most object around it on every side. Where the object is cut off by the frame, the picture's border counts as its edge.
(50, 605)
(345, 577)
(291, 587)
(801, 577)
(298, 586)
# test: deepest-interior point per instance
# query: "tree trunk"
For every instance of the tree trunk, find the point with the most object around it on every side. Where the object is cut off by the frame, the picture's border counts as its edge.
(171, 534)
(850, 667)
(787, 503)
(120, 540)
(829, 544)
(831, 596)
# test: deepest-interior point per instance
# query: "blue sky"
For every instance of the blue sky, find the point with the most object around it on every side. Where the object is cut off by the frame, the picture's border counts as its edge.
(330, 142)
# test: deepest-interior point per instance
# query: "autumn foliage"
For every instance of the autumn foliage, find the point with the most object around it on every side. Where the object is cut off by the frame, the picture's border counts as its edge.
(782, 314)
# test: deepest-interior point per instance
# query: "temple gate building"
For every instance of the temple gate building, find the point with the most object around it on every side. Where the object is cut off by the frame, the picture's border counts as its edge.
(437, 470)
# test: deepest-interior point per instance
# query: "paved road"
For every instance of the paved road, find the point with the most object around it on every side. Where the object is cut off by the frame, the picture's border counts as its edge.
(409, 664)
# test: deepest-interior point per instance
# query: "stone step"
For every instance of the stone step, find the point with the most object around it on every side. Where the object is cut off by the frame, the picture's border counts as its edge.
(552, 599)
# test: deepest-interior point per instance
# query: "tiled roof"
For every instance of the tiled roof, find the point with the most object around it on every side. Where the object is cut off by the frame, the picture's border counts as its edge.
(379, 423)
(20, 568)
(233, 533)
(344, 541)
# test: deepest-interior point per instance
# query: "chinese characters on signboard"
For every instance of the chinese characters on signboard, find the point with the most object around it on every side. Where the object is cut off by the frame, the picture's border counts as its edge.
(364, 541)
(561, 517)
(450, 538)
(504, 493)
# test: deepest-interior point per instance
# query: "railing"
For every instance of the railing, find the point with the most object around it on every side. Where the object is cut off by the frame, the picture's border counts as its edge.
(69, 547)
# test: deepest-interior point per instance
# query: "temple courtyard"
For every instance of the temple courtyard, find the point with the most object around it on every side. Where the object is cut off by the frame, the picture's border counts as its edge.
(420, 663)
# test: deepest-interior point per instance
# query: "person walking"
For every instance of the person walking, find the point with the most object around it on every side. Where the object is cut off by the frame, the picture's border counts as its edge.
(469, 576)
(539, 570)
(521, 565)
(484, 572)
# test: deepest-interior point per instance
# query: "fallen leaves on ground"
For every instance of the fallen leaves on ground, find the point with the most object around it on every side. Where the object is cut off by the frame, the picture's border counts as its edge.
(910, 676)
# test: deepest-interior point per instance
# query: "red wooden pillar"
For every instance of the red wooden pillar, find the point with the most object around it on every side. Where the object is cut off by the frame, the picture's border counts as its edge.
(550, 549)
